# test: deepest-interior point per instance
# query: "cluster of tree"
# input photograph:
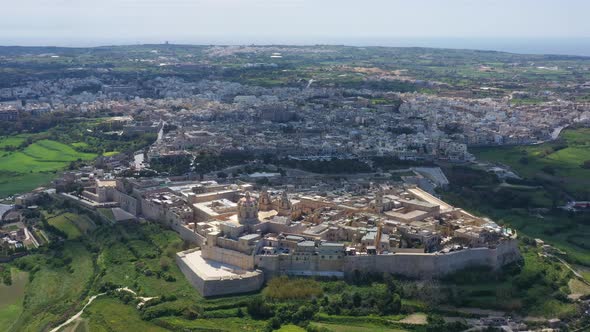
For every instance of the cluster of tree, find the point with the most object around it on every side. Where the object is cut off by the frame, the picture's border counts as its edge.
(169, 306)
(125, 143)
(463, 176)
(334, 166)
(281, 313)
(294, 300)
(382, 298)
(173, 165)
(390, 162)
(27, 122)
(284, 288)
(6, 275)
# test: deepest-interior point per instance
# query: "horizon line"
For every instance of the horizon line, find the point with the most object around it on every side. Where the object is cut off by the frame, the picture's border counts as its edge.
(344, 44)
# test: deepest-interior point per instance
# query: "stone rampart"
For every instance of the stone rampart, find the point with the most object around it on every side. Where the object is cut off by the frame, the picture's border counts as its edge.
(218, 285)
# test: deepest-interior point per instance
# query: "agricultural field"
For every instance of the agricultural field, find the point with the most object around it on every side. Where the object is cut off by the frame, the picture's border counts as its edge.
(23, 169)
(559, 163)
(12, 183)
(41, 156)
(30, 160)
(12, 141)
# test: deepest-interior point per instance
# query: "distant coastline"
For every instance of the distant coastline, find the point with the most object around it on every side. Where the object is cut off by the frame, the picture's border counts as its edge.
(549, 46)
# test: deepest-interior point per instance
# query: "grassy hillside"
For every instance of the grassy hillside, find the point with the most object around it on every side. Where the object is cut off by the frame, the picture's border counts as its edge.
(552, 174)
(559, 163)
(11, 301)
(55, 288)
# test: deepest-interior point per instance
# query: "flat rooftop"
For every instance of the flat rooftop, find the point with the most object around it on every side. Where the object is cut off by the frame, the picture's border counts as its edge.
(210, 269)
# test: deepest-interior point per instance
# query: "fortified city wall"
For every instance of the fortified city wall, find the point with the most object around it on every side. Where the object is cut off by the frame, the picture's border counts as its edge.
(218, 285)
(413, 265)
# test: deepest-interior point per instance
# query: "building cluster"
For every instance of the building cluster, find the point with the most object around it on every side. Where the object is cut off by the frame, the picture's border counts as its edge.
(245, 235)
(309, 123)
(493, 122)
(15, 236)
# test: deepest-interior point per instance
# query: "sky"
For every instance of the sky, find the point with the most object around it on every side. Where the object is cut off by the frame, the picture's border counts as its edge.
(102, 22)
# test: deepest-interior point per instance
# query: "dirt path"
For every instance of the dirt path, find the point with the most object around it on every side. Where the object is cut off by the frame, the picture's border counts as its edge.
(76, 316)
(142, 301)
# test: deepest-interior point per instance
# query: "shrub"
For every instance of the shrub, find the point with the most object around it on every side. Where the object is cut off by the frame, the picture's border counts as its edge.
(284, 288)
(259, 309)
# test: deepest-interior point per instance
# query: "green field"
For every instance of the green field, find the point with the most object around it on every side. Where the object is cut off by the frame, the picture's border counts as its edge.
(107, 314)
(30, 160)
(41, 156)
(553, 173)
(211, 324)
(532, 289)
(12, 141)
(11, 301)
(107, 213)
(291, 328)
(55, 289)
(73, 225)
(12, 183)
(354, 328)
(35, 165)
(558, 163)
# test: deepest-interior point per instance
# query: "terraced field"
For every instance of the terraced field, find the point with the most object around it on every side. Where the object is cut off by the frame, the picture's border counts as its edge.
(73, 225)
(41, 156)
(34, 165)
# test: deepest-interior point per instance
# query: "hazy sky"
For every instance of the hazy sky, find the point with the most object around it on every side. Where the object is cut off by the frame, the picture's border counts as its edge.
(92, 22)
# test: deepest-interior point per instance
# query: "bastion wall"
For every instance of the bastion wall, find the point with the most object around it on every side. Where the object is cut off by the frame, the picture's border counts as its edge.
(215, 286)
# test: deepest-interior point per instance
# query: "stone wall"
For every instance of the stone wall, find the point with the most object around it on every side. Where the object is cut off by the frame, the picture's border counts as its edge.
(425, 265)
(244, 283)
(227, 256)
(125, 201)
(188, 235)
(410, 264)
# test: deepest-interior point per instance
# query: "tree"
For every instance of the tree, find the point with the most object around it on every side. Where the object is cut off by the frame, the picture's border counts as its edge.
(389, 282)
(549, 170)
(356, 299)
(257, 308)
(396, 304)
